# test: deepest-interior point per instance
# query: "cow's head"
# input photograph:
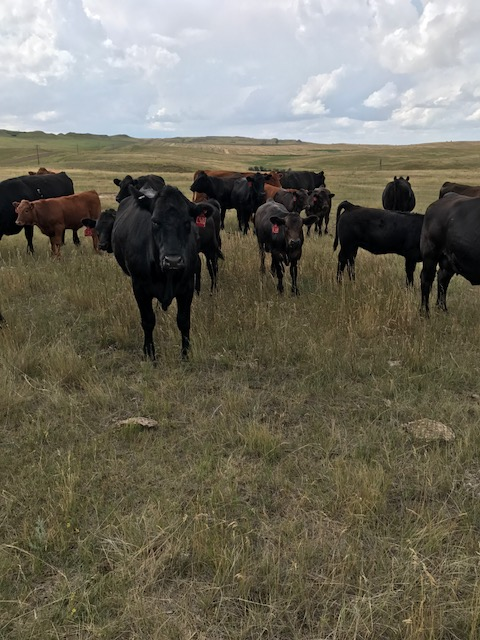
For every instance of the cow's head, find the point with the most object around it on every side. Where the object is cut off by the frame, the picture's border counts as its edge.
(174, 230)
(25, 211)
(104, 227)
(123, 187)
(202, 184)
(320, 200)
(257, 185)
(292, 225)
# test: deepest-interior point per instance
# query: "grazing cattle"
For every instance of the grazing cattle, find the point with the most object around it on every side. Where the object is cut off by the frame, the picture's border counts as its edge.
(280, 233)
(462, 189)
(29, 188)
(156, 243)
(308, 180)
(150, 181)
(319, 203)
(450, 238)
(379, 232)
(398, 195)
(41, 171)
(53, 215)
(247, 195)
(294, 200)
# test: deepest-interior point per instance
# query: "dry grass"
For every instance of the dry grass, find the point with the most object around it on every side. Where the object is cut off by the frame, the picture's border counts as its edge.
(279, 497)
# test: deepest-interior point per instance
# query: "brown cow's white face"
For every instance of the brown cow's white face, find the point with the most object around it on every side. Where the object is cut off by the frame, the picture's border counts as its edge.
(24, 211)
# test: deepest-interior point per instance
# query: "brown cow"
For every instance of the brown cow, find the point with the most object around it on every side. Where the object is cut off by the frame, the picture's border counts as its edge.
(41, 172)
(461, 189)
(53, 215)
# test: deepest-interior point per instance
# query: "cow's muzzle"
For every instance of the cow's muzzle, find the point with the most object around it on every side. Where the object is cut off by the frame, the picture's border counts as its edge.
(294, 244)
(172, 263)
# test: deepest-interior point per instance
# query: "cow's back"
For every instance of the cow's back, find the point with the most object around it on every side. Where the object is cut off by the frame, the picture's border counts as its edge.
(29, 188)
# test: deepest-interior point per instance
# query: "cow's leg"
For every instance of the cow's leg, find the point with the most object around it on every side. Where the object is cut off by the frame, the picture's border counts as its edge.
(410, 270)
(212, 272)
(29, 236)
(261, 250)
(55, 244)
(222, 217)
(239, 220)
(327, 220)
(147, 318)
(76, 239)
(427, 276)
(184, 304)
(278, 266)
(444, 275)
(351, 268)
(293, 275)
(198, 275)
(94, 240)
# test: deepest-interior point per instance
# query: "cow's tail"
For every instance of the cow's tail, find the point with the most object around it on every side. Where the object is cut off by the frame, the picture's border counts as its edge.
(220, 254)
(343, 206)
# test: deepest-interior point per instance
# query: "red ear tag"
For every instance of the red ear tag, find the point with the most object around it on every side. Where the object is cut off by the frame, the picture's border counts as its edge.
(201, 220)
(275, 228)
(88, 231)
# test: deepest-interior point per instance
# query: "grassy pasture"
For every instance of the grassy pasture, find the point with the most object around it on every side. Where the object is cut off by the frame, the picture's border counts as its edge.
(279, 497)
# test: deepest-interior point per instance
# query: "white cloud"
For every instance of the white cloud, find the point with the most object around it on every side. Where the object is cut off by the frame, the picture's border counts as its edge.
(45, 116)
(382, 70)
(309, 99)
(383, 97)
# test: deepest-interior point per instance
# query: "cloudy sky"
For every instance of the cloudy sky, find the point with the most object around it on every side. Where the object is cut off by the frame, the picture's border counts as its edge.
(359, 71)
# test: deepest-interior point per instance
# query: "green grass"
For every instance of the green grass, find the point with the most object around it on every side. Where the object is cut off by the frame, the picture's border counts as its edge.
(279, 497)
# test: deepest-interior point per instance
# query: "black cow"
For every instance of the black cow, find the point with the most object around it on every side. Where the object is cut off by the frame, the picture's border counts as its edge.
(319, 203)
(450, 238)
(462, 189)
(247, 195)
(218, 188)
(379, 232)
(280, 233)
(29, 188)
(308, 180)
(155, 241)
(149, 181)
(210, 240)
(398, 195)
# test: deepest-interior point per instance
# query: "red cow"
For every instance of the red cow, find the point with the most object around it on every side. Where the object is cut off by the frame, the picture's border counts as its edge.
(53, 215)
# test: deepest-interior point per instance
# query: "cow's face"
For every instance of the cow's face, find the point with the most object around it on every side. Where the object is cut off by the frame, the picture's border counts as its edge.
(292, 228)
(174, 230)
(103, 226)
(320, 200)
(123, 187)
(202, 184)
(24, 211)
(257, 185)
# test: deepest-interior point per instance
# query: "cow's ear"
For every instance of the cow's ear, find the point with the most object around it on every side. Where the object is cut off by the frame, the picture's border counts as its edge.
(309, 220)
(407, 178)
(89, 222)
(332, 195)
(277, 220)
(116, 181)
(15, 204)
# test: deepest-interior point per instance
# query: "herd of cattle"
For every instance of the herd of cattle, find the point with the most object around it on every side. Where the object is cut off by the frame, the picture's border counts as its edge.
(156, 234)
